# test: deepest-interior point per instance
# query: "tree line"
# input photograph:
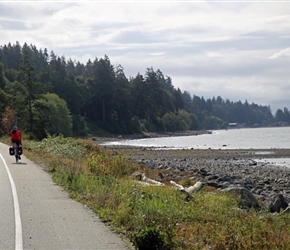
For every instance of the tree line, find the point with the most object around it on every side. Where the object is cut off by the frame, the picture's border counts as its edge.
(47, 94)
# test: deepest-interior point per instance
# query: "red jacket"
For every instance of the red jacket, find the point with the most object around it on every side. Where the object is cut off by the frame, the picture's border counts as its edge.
(15, 135)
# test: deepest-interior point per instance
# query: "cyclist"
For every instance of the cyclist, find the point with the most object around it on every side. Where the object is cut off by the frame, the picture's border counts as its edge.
(15, 136)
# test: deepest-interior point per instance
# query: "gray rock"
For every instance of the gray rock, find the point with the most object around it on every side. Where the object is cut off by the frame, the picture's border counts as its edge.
(247, 199)
(214, 184)
(277, 203)
(225, 178)
(213, 177)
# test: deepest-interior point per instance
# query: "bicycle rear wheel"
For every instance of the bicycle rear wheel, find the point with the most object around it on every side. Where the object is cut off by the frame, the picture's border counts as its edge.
(16, 153)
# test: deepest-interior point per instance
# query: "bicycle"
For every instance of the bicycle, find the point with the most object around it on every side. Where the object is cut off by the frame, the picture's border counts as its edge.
(16, 150)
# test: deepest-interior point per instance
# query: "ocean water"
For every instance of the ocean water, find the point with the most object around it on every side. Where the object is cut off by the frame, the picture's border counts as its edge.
(246, 138)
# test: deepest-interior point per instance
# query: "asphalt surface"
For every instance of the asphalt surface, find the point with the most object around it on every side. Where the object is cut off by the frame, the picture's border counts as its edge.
(37, 214)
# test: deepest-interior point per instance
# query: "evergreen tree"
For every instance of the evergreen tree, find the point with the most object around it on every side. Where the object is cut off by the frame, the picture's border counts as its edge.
(103, 88)
(2, 78)
(31, 91)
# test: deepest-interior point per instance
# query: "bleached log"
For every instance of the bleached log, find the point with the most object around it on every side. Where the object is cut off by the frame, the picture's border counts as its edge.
(146, 179)
(190, 190)
(143, 183)
(197, 186)
(180, 187)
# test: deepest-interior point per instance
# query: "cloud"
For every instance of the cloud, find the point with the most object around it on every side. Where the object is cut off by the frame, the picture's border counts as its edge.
(285, 53)
(237, 50)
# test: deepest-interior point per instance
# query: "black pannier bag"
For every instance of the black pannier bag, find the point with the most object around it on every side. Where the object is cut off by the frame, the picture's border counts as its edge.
(11, 151)
(19, 150)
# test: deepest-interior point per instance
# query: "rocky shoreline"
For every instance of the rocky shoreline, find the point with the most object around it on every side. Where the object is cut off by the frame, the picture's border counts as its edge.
(221, 169)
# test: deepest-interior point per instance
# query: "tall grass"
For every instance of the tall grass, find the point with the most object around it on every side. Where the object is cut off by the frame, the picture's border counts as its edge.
(158, 216)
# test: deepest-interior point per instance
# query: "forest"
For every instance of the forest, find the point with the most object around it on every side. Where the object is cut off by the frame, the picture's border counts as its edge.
(46, 94)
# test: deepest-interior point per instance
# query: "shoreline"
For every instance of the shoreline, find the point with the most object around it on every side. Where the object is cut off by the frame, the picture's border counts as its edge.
(100, 139)
(247, 168)
(255, 169)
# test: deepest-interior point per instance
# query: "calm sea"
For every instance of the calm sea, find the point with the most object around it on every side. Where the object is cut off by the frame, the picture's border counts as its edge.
(246, 138)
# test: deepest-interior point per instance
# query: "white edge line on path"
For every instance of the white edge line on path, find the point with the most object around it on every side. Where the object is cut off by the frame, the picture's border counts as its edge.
(18, 226)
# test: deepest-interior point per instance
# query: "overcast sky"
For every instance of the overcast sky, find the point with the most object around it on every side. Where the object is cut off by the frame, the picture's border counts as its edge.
(239, 50)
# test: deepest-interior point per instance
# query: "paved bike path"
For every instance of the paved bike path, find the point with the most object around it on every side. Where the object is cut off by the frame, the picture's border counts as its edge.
(49, 218)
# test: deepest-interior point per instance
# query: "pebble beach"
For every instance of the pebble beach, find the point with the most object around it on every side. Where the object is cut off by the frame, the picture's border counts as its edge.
(255, 169)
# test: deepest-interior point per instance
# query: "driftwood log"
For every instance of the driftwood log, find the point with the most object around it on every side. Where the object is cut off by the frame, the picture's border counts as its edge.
(190, 190)
(145, 181)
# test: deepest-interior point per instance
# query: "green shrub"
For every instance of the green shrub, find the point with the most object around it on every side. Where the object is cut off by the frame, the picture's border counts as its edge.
(149, 239)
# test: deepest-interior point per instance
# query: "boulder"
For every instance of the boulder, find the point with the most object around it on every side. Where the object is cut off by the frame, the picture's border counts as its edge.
(146, 135)
(247, 199)
(277, 203)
